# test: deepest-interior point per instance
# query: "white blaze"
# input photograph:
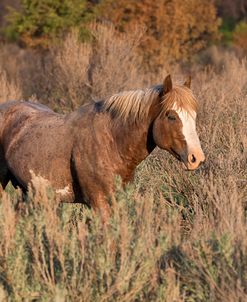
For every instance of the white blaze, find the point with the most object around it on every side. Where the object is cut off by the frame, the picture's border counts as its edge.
(189, 129)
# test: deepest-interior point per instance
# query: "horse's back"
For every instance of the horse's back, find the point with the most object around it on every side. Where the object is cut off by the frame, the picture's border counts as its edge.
(22, 106)
(16, 116)
(4, 107)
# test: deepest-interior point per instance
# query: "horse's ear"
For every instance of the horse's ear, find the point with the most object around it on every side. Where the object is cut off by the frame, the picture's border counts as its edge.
(187, 83)
(167, 86)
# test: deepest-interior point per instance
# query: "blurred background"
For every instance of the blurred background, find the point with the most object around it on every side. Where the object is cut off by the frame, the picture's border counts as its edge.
(175, 28)
(180, 237)
(81, 41)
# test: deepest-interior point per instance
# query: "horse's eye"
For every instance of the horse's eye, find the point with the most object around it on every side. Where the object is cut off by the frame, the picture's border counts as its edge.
(171, 117)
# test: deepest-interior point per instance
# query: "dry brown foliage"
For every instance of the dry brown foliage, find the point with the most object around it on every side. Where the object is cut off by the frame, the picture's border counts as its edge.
(84, 71)
(74, 73)
(175, 29)
(9, 90)
(9, 86)
(236, 9)
(173, 236)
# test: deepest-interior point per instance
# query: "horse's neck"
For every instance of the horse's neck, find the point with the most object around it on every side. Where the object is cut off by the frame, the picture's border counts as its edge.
(133, 140)
(134, 143)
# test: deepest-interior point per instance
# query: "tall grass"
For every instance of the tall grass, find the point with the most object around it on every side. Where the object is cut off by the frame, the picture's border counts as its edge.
(9, 88)
(173, 235)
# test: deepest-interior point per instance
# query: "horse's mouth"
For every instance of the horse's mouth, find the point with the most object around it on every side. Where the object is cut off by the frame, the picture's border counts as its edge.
(175, 154)
(180, 158)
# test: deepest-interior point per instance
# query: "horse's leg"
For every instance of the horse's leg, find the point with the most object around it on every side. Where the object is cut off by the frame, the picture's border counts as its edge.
(101, 205)
(4, 173)
(87, 189)
(3, 179)
(16, 183)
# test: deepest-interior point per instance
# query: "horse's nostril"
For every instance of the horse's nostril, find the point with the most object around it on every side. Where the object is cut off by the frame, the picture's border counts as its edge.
(193, 158)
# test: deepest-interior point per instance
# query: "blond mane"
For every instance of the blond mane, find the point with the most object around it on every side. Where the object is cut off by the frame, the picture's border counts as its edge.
(135, 104)
(180, 98)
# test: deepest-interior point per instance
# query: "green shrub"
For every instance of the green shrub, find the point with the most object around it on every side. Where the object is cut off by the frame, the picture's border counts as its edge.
(240, 36)
(226, 29)
(38, 23)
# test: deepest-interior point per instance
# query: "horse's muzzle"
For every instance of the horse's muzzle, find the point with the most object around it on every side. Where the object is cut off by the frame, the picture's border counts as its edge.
(195, 159)
(191, 161)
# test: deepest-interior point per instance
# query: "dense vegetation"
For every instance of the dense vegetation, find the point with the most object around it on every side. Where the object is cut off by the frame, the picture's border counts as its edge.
(175, 29)
(40, 22)
(173, 236)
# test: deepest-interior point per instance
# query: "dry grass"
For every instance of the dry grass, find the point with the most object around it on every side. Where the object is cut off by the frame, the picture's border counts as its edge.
(9, 86)
(8, 89)
(84, 71)
(74, 73)
(173, 236)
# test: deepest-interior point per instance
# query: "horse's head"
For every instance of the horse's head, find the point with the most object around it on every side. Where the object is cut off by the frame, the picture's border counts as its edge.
(175, 127)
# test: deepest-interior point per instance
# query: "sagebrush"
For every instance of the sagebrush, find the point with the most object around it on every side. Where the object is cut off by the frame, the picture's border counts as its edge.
(173, 235)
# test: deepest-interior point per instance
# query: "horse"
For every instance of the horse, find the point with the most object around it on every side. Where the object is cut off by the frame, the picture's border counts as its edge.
(82, 152)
